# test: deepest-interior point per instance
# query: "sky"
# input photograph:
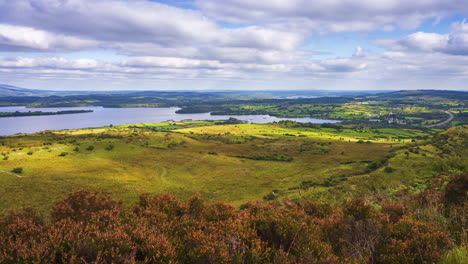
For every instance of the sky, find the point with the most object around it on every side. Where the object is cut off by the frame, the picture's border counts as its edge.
(234, 44)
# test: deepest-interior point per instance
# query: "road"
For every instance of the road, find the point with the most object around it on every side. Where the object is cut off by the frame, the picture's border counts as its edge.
(444, 122)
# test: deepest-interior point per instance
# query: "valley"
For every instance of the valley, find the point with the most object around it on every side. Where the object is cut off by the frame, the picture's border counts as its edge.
(391, 163)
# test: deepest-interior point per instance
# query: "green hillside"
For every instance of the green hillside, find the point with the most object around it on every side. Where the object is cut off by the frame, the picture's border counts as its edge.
(231, 163)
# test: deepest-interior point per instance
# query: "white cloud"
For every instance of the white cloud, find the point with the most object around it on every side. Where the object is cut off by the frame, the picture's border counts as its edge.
(49, 62)
(170, 62)
(419, 41)
(111, 21)
(455, 42)
(333, 15)
(162, 42)
(136, 65)
(458, 39)
(262, 38)
(367, 66)
(343, 65)
(29, 39)
(390, 70)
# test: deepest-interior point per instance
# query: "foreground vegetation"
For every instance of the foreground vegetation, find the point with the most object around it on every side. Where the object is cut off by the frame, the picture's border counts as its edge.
(85, 227)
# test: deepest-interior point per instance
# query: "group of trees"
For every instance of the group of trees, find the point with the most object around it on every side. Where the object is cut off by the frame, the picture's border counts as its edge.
(90, 228)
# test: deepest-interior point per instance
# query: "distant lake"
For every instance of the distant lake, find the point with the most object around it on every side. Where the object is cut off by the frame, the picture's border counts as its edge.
(115, 116)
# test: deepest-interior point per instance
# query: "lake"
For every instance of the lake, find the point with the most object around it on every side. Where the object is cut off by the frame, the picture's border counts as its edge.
(115, 116)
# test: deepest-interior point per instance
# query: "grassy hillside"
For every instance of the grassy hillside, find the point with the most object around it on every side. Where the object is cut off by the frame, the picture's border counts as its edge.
(232, 163)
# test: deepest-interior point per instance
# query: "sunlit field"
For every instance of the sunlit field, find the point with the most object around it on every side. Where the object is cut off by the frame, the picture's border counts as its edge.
(231, 163)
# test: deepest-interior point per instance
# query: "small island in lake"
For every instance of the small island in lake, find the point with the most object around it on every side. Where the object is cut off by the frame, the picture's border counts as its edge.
(36, 113)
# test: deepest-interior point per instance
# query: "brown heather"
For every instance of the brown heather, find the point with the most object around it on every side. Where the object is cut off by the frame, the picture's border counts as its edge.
(88, 227)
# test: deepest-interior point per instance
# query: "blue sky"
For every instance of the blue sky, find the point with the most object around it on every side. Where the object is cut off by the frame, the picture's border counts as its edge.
(234, 44)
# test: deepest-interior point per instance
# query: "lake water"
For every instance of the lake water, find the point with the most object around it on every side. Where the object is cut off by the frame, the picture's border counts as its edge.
(115, 116)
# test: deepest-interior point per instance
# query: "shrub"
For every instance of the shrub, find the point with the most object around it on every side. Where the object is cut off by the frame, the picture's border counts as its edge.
(358, 209)
(412, 241)
(456, 189)
(456, 221)
(271, 196)
(375, 165)
(357, 233)
(17, 170)
(110, 147)
(87, 227)
(165, 204)
(90, 148)
(395, 210)
(389, 169)
(316, 210)
(81, 205)
(63, 154)
(291, 235)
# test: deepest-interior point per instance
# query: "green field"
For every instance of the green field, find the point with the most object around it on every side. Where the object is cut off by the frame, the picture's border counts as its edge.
(232, 163)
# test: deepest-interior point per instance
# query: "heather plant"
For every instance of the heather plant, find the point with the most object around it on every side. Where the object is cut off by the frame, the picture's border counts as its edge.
(413, 241)
(291, 233)
(359, 231)
(87, 227)
(82, 204)
(395, 210)
(456, 190)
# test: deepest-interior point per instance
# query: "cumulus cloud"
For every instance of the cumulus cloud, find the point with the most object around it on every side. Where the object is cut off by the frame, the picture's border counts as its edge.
(343, 65)
(19, 38)
(419, 41)
(49, 62)
(226, 40)
(336, 15)
(390, 70)
(138, 22)
(170, 62)
(109, 20)
(455, 42)
(368, 66)
(136, 65)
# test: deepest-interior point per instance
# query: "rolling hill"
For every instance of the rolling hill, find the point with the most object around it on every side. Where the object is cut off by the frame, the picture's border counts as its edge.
(10, 90)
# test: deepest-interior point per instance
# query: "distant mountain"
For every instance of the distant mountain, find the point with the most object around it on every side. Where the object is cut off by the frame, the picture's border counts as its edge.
(9, 90)
(14, 91)
(423, 94)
